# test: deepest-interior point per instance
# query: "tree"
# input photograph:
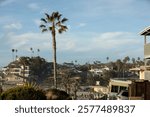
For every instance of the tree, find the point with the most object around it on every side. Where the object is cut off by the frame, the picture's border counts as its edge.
(133, 62)
(16, 53)
(38, 50)
(107, 58)
(32, 52)
(76, 61)
(125, 67)
(126, 59)
(55, 94)
(139, 62)
(66, 83)
(52, 23)
(13, 50)
(39, 68)
(119, 65)
(23, 93)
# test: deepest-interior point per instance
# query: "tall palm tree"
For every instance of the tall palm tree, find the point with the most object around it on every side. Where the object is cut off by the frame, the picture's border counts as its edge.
(16, 54)
(38, 50)
(119, 65)
(52, 23)
(133, 62)
(138, 58)
(32, 51)
(125, 62)
(13, 50)
(107, 58)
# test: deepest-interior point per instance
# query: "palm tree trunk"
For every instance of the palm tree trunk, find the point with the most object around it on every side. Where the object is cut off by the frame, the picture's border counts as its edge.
(13, 56)
(54, 59)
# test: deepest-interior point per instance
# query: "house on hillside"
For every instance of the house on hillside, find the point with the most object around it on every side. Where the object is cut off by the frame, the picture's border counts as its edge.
(98, 71)
(70, 65)
(16, 69)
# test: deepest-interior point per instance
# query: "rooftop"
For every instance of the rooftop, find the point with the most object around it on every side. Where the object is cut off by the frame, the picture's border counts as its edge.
(146, 31)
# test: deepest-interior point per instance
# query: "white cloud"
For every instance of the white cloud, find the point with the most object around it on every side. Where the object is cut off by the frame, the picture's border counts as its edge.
(66, 44)
(33, 6)
(13, 26)
(114, 40)
(112, 44)
(26, 40)
(105, 41)
(38, 40)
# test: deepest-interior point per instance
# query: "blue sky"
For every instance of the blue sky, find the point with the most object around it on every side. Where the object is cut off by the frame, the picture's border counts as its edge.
(97, 29)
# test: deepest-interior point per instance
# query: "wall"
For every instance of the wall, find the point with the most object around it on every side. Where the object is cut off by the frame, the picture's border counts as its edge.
(140, 89)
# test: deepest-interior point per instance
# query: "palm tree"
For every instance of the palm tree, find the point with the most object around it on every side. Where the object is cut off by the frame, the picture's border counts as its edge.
(107, 58)
(138, 61)
(126, 59)
(38, 50)
(52, 23)
(32, 52)
(138, 58)
(13, 50)
(76, 62)
(125, 62)
(16, 53)
(119, 65)
(133, 62)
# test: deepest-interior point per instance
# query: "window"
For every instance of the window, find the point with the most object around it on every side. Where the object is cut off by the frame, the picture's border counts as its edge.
(114, 89)
(122, 88)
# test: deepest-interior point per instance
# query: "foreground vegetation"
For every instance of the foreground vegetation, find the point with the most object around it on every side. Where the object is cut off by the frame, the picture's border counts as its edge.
(30, 92)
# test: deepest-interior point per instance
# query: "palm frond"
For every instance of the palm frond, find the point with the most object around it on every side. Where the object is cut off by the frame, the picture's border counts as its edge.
(50, 19)
(53, 14)
(58, 23)
(60, 30)
(42, 26)
(31, 85)
(44, 30)
(59, 16)
(64, 20)
(47, 15)
(64, 27)
(50, 28)
(44, 20)
(56, 14)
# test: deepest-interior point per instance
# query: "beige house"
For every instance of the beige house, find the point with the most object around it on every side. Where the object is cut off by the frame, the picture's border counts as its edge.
(100, 89)
(17, 70)
(116, 85)
(145, 70)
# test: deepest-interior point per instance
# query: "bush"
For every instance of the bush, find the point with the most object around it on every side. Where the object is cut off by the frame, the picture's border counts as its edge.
(23, 93)
(55, 94)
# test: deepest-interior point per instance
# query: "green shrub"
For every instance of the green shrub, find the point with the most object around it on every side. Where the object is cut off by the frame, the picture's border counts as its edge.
(55, 94)
(23, 93)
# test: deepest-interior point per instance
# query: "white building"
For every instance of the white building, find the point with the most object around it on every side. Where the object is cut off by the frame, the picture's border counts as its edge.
(145, 70)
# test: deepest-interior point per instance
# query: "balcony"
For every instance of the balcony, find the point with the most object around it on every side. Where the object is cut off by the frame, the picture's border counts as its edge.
(147, 51)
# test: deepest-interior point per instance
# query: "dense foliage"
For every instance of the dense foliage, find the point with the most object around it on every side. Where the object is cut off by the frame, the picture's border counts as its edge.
(40, 69)
(55, 94)
(23, 93)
